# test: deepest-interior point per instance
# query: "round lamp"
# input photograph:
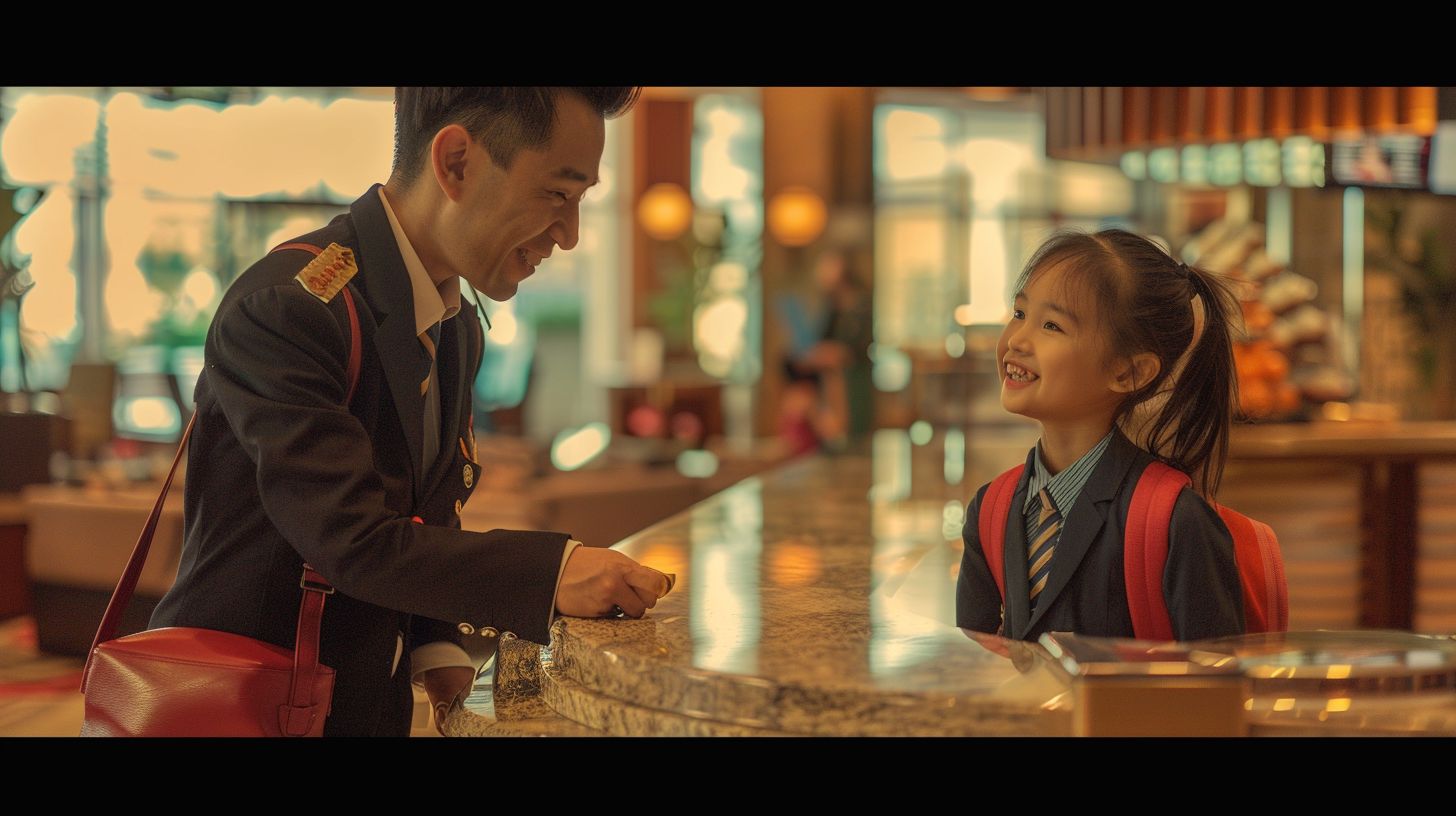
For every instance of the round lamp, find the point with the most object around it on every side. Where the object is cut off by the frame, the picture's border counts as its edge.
(665, 211)
(796, 216)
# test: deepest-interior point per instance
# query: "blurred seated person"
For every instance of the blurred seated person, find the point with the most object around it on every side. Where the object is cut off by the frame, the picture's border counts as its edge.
(808, 422)
(837, 357)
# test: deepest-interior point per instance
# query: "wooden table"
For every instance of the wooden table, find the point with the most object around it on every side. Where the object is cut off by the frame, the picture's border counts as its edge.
(1389, 455)
(14, 588)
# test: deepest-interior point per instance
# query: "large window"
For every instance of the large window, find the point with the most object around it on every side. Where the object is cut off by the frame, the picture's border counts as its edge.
(963, 194)
(149, 205)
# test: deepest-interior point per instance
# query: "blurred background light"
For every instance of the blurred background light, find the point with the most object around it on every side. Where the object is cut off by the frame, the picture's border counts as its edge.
(892, 368)
(796, 216)
(665, 211)
(697, 464)
(574, 448)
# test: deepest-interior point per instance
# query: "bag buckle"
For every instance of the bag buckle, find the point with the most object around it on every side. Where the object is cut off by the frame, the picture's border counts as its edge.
(319, 585)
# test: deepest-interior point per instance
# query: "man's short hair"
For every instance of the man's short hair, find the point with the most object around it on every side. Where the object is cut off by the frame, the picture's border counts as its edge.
(503, 120)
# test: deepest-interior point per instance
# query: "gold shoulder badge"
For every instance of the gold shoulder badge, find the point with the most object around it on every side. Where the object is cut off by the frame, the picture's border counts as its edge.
(327, 274)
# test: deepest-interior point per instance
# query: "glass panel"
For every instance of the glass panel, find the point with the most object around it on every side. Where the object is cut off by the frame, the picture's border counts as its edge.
(911, 256)
(728, 228)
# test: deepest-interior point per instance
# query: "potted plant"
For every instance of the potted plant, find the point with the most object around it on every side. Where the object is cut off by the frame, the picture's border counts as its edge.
(1409, 246)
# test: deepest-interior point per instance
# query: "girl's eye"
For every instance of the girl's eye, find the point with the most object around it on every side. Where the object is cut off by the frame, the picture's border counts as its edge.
(1051, 325)
(1017, 314)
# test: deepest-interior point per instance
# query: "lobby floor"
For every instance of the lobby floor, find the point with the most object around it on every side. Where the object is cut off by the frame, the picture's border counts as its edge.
(39, 694)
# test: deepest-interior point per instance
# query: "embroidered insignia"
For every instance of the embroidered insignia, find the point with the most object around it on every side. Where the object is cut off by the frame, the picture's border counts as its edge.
(326, 275)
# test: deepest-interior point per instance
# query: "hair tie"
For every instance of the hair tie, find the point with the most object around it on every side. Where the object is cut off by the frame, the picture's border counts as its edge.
(1181, 271)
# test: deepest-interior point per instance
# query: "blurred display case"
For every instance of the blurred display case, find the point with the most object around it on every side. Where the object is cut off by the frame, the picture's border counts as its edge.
(1320, 683)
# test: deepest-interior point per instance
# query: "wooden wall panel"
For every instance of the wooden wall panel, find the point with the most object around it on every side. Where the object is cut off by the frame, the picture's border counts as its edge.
(1100, 124)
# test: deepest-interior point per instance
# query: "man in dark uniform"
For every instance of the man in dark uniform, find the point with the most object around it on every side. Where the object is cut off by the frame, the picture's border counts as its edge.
(286, 467)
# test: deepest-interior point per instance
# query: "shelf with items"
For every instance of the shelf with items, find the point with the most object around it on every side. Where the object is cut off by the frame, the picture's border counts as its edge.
(1286, 354)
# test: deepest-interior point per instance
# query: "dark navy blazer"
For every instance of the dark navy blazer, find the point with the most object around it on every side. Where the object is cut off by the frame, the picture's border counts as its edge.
(1085, 591)
(282, 470)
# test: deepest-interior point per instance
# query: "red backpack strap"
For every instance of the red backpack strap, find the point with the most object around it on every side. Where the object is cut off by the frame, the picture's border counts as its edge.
(1145, 549)
(1261, 572)
(355, 343)
(995, 509)
(1277, 584)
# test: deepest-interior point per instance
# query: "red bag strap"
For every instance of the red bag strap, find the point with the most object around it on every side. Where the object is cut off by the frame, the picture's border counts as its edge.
(111, 620)
(1261, 572)
(310, 611)
(1145, 549)
(1276, 584)
(354, 340)
(995, 509)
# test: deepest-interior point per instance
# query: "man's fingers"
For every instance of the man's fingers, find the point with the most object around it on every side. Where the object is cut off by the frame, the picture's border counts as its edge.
(648, 585)
(592, 585)
(647, 579)
(647, 597)
(628, 608)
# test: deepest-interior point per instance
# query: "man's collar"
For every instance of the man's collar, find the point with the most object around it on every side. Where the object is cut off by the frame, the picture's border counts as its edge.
(432, 304)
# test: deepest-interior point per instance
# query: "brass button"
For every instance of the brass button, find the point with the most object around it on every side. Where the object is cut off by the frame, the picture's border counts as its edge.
(469, 476)
(458, 505)
(466, 629)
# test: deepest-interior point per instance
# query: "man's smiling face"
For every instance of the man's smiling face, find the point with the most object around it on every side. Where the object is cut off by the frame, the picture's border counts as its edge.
(516, 217)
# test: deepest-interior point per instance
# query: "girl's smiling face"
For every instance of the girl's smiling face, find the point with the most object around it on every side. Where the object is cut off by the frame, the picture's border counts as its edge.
(1052, 357)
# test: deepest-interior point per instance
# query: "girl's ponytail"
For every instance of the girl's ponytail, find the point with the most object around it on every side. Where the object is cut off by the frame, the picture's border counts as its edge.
(1191, 428)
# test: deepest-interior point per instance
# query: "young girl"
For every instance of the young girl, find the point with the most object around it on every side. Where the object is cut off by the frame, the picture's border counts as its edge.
(1110, 338)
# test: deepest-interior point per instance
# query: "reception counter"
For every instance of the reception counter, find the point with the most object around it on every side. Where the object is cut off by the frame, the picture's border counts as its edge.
(818, 600)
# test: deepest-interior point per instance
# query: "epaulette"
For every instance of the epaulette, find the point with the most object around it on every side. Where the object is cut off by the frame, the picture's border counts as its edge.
(326, 275)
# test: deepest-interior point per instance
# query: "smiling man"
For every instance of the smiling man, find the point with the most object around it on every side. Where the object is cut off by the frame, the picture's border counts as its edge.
(333, 422)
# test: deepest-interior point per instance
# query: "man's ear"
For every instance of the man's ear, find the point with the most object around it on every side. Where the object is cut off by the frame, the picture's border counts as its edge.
(1136, 372)
(448, 152)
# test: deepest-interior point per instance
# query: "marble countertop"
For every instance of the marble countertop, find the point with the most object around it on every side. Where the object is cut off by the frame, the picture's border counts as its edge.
(816, 599)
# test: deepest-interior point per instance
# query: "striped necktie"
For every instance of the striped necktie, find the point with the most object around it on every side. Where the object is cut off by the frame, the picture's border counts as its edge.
(1043, 540)
(429, 340)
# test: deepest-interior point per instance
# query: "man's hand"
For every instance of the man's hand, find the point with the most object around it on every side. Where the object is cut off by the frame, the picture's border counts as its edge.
(444, 685)
(597, 579)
